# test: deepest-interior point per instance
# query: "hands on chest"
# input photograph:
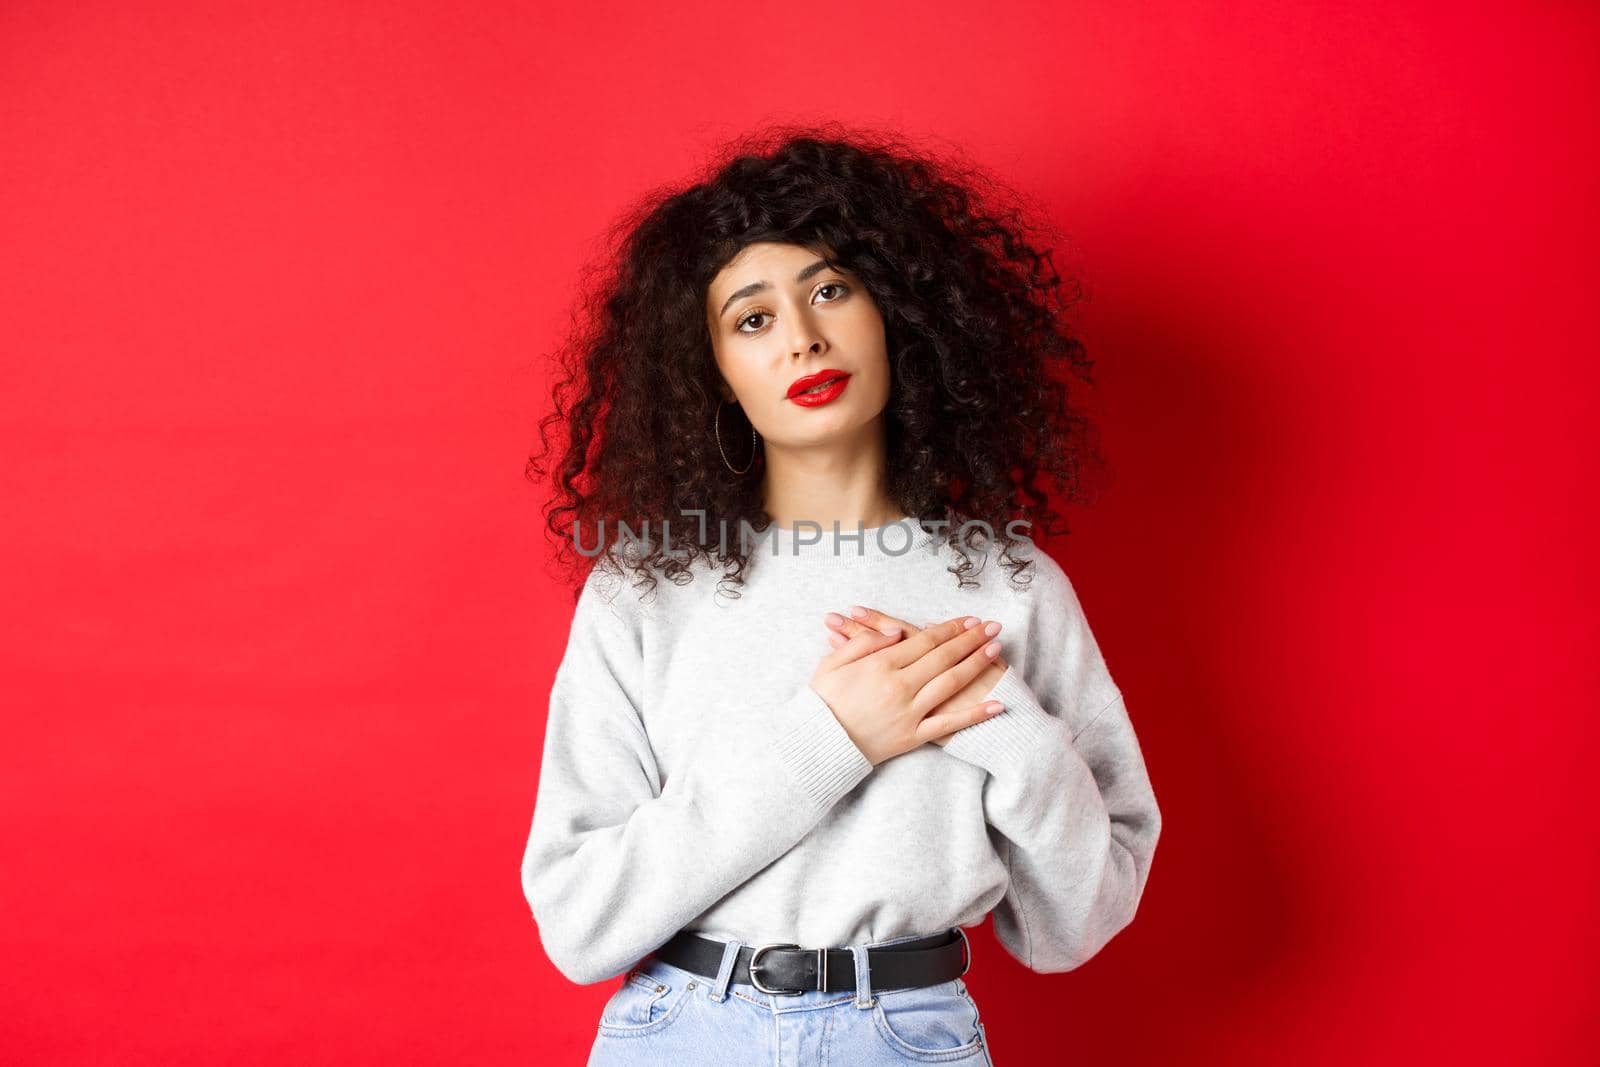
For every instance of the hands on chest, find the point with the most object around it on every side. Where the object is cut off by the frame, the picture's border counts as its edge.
(894, 686)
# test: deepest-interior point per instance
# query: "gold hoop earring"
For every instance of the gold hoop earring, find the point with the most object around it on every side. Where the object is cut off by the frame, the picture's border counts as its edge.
(716, 431)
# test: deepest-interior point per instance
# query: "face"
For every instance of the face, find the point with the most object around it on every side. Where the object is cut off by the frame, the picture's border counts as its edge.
(778, 314)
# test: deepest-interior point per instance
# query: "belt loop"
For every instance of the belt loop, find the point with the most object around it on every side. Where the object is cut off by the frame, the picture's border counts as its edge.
(864, 997)
(730, 956)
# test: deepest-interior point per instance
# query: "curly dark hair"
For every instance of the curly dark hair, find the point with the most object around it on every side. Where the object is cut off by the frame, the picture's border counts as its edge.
(980, 428)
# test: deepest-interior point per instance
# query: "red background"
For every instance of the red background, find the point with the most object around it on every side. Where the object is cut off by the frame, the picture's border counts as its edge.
(276, 294)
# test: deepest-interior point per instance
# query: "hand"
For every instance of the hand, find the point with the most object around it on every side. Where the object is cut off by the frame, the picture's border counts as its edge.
(867, 620)
(883, 685)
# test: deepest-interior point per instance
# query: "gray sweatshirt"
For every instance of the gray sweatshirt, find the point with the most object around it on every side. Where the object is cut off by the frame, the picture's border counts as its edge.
(693, 779)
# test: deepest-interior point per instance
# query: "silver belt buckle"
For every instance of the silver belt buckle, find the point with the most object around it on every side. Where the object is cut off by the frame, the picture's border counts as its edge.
(822, 971)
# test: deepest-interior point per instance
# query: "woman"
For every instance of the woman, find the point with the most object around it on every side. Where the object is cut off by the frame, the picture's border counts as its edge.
(819, 371)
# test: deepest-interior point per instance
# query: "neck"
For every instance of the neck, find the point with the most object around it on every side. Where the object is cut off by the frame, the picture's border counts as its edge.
(842, 480)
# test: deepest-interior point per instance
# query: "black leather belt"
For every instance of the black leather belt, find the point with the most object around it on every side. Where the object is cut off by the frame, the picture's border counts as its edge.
(790, 970)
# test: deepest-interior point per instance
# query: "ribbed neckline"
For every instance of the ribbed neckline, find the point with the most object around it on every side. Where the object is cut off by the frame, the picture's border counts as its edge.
(901, 539)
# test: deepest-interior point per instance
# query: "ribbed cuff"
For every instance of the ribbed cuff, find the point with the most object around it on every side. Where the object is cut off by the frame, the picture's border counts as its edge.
(1007, 742)
(817, 751)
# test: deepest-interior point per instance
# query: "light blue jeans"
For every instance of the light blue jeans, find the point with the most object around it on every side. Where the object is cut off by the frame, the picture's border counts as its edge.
(662, 1014)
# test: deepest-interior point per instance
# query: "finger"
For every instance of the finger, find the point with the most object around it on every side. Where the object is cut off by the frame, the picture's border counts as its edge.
(847, 628)
(864, 643)
(878, 620)
(926, 640)
(959, 674)
(844, 629)
(944, 671)
(839, 624)
(946, 723)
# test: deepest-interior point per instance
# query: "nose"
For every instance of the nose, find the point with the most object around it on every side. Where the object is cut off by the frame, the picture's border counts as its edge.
(806, 337)
(806, 343)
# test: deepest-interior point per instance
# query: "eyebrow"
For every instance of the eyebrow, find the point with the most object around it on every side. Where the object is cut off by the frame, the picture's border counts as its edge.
(756, 287)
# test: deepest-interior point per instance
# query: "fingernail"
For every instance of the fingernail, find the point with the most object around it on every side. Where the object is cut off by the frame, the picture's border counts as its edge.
(992, 629)
(969, 622)
(834, 618)
(992, 649)
(995, 709)
(890, 629)
(859, 612)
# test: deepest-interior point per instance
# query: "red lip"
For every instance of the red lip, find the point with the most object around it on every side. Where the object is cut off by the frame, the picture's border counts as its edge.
(802, 384)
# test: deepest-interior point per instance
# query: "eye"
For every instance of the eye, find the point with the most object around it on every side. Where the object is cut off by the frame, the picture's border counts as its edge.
(840, 286)
(753, 315)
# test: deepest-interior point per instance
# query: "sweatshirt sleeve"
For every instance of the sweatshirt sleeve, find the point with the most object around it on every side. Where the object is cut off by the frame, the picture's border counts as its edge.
(618, 861)
(1067, 789)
